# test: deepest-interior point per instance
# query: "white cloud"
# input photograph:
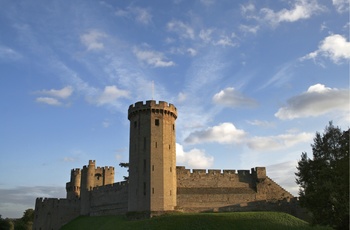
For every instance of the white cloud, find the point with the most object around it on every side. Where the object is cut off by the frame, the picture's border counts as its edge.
(92, 40)
(278, 142)
(247, 8)
(49, 101)
(224, 133)
(63, 93)
(7, 53)
(225, 41)
(182, 29)
(341, 6)
(334, 47)
(249, 29)
(261, 123)
(181, 97)
(232, 98)
(302, 9)
(194, 158)
(283, 174)
(69, 159)
(141, 15)
(153, 58)
(192, 51)
(205, 35)
(316, 101)
(110, 94)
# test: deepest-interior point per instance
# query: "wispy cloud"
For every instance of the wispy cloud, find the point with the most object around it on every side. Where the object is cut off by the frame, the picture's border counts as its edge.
(230, 97)
(54, 96)
(152, 58)
(92, 40)
(302, 9)
(283, 141)
(6, 53)
(140, 15)
(342, 6)
(316, 101)
(13, 198)
(63, 93)
(261, 123)
(49, 101)
(335, 47)
(182, 29)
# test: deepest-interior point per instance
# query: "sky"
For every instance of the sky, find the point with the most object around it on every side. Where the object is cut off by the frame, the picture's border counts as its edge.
(253, 81)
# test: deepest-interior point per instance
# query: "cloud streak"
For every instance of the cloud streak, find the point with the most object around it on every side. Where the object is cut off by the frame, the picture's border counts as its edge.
(230, 97)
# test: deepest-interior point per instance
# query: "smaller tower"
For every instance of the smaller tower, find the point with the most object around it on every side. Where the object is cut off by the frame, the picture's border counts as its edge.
(73, 187)
(87, 184)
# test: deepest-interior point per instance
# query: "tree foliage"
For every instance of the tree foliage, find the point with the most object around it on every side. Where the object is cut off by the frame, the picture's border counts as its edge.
(124, 165)
(324, 179)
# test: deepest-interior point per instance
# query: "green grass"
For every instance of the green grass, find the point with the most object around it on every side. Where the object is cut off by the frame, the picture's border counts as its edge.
(194, 221)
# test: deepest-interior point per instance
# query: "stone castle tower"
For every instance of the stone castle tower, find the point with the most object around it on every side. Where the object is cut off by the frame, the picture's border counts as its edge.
(152, 157)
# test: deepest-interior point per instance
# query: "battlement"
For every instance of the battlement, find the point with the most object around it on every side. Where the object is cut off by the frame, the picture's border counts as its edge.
(152, 106)
(110, 187)
(75, 171)
(254, 171)
(106, 168)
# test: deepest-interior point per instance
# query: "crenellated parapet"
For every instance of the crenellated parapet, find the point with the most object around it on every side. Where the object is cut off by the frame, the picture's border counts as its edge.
(110, 187)
(260, 171)
(161, 107)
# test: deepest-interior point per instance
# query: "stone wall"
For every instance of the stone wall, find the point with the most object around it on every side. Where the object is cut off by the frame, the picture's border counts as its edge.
(52, 213)
(109, 200)
(202, 190)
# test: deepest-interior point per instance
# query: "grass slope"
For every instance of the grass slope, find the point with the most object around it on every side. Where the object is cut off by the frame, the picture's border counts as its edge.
(193, 221)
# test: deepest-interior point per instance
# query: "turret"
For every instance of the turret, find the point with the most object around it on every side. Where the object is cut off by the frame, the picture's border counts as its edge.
(87, 184)
(73, 187)
(152, 156)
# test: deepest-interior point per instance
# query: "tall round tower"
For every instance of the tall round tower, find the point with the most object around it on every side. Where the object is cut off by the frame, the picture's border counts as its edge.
(152, 156)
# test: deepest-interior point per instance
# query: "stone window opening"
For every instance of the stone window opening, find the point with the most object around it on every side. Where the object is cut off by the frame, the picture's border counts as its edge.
(156, 122)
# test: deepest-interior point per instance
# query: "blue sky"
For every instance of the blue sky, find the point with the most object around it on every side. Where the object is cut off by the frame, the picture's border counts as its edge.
(252, 80)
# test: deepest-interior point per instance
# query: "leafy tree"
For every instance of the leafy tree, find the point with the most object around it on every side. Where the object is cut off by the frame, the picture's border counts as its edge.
(6, 224)
(324, 179)
(125, 165)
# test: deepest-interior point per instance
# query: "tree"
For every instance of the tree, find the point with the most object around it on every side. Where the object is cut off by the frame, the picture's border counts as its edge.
(324, 179)
(125, 165)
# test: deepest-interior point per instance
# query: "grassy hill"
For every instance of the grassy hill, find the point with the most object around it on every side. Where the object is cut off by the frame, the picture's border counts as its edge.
(193, 221)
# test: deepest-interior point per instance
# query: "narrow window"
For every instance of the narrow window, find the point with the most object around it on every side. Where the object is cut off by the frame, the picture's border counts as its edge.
(152, 190)
(144, 188)
(156, 145)
(170, 192)
(135, 124)
(156, 122)
(169, 146)
(152, 167)
(173, 127)
(171, 169)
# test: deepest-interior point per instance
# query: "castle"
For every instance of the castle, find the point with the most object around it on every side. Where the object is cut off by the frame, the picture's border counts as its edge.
(156, 184)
